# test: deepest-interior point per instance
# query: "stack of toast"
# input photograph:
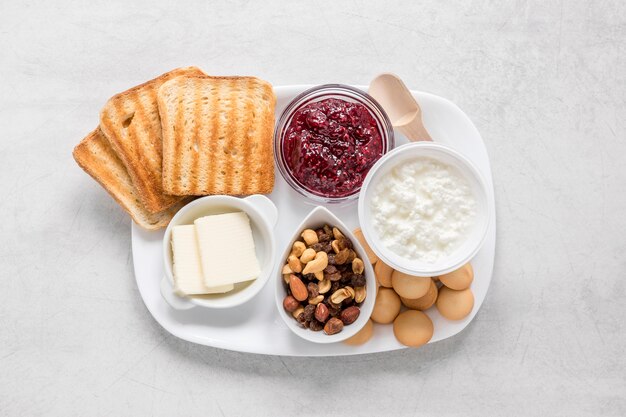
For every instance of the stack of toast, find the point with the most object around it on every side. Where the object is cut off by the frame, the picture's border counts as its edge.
(180, 135)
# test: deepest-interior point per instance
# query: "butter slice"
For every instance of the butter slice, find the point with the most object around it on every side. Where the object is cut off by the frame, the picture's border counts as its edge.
(188, 277)
(226, 249)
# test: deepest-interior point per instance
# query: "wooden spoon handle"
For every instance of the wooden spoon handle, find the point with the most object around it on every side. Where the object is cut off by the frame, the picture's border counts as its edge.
(415, 131)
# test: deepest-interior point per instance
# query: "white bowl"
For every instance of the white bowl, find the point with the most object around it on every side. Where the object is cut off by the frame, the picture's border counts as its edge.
(318, 217)
(466, 251)
(263, 216)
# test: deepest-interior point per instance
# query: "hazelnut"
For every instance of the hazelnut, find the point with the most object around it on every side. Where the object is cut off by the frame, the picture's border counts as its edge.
(290, 304)
(349, 315)
(321, 312)
(333, 326)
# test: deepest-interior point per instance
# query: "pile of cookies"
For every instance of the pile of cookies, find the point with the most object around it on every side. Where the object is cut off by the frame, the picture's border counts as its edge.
(402, 299)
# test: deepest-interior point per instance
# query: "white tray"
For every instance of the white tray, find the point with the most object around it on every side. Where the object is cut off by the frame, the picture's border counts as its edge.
(256, 326)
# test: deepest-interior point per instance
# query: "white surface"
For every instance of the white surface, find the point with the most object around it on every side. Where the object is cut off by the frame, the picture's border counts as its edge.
(465, 152)
(543, 81)
(262, 331)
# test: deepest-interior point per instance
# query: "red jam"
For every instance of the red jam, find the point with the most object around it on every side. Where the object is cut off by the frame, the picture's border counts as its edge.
(330, 145)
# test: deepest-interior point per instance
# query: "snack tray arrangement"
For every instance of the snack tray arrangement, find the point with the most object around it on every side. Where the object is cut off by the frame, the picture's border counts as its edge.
(255, 326)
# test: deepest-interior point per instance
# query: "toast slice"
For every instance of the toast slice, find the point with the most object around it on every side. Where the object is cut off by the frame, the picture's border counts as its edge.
(130, 121)
(217, 135)
(96, 157)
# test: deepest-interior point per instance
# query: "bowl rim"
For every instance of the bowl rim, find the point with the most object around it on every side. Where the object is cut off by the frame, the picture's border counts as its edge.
(479, 238)
(265, 228)
(280, 292)
(317, 93)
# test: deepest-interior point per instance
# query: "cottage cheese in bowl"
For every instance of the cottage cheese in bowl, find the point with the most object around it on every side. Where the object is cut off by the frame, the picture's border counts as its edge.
(423, 209)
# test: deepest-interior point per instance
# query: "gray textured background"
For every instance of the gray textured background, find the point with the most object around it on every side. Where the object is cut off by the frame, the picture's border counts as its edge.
(544, 81)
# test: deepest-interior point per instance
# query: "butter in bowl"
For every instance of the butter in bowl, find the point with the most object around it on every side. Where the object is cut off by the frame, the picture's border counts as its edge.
(218, 251)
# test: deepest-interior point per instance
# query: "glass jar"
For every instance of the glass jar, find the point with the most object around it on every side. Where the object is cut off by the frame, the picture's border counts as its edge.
(348, 150)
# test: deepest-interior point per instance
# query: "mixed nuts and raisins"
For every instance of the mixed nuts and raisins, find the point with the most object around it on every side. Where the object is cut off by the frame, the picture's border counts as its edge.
(324, 280)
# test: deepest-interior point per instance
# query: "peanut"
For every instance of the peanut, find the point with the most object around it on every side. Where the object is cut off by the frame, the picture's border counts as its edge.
(297, 312)
(359, 294)
(357, 266)
(316, 300)
(351, 291)
(338, 296)
(323, 286)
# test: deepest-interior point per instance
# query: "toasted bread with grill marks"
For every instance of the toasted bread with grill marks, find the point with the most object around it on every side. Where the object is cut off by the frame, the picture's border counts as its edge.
(96, 157)
(217, 135)
(130, 121)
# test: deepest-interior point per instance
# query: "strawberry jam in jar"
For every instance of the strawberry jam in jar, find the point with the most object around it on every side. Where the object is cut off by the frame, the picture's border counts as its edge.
(327, 140)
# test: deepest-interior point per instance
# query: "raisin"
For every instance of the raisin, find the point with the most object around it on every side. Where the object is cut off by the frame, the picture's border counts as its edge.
(358, 280)
(301, 319)
(333, 277)
(331, 269)
(318, 247)
(315, 325)
(309, 312)
(313, 290)
(309, 277)
(333, 309)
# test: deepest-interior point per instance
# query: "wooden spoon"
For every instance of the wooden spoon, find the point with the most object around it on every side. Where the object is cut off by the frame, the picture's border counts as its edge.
(402, 109)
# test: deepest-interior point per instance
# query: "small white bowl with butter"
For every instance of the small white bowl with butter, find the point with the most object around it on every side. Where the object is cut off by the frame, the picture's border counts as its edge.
(423, 209)
(218, 251)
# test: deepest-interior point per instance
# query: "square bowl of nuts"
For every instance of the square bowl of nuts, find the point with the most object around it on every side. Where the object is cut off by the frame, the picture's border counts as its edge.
(325, 292)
